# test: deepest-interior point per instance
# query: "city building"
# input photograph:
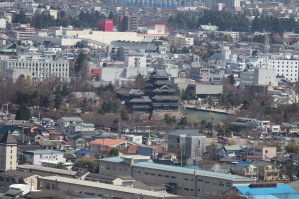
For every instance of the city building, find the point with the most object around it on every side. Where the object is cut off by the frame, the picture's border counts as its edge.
(47, 171)
(42, 66)
(127, 23)
(285, 67)
(180, 41)
(84, 189)
(262, 152)
(46, 11)
(46, 158)
(135, 60)
(8, 152)
(181, 181)
(190, 141)
(105, 25)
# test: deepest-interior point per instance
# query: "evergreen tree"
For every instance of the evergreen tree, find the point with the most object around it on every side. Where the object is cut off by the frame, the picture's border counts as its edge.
(124, 115)
(58, 101)
(23, 113)
(80, 62)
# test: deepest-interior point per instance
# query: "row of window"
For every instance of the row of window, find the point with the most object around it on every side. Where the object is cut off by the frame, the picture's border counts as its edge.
(36, 64)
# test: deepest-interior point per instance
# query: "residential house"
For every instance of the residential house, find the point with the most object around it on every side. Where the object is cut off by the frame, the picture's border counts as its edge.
(76, 141)
(262, 152)
(65, 122)
(99, 143)
(228, 150)
(133, 138)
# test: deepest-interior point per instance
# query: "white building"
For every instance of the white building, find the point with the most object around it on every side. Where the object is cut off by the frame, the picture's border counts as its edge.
(46, 11)
(47, 158)
(79, 127)
(285, 67)
(133, 138)
(232, 3)
(225, 52)
(258, 76)
(42, 66)
(180, 41)
(135, 60)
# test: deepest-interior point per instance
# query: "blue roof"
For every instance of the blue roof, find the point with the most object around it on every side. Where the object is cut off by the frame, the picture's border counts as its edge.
(82, 151)
(275, 196)
(211, 174)
(243, 164)
(280, 189)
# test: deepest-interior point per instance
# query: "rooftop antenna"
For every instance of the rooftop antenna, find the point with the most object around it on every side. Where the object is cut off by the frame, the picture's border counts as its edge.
(266, 49)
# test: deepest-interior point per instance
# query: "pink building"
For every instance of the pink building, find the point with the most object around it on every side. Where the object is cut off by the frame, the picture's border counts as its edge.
(105, 25)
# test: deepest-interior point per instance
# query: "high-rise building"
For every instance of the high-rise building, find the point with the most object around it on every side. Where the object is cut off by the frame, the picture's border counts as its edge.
(8, 152)
(127, 22)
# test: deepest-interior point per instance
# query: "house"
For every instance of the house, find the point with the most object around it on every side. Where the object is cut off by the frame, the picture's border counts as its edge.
(81, 127)
(228, 150)
(193, 143)
(262, 190)
(260, 171)
(98, 143)
(264, 152)
(76, 141)
(65, 122)
(133, 138)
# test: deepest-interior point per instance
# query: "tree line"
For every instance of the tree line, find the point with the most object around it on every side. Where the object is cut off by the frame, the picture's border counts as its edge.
(229, 22)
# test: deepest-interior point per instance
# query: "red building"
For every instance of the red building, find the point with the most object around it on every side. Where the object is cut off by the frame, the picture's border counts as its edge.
(105, 24)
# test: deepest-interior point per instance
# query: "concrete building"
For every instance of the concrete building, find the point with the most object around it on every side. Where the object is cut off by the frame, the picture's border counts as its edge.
(127, 22)
(13, 75)
(84, 189)
(180, 41)
(80, 127)
(135, 60)
(190, 141)
(46, 11)
(258, 76)
(200, 74)
(8, 152)
(133, 138)
(42, 66)
(46, 171)
(231, 3)
(264, 152)
(182, 181)
(285, 67)
(47, 158)
(65, 122)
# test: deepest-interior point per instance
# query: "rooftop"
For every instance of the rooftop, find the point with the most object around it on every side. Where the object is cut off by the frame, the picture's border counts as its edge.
(46, 152)
(8, 139)
(47, 169)
(71, 119)
(108, 187)
(107, 142)
(190, 132)
(211, 174)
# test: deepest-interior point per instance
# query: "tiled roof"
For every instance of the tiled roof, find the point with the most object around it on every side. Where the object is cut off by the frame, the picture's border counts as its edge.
(132, 149)
(107, 142)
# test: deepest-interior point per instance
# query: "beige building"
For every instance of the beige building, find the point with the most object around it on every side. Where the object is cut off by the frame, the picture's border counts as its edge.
(180, 41)
(183, 181)
(87, 189)
(264, 152)
(8, 152)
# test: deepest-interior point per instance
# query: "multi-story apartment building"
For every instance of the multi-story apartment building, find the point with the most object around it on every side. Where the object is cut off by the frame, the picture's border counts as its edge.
(135, 60)
(232, 3)
(23, 33)
(285, 67)
(190, 141)
(180, 41)
(42, 66)
(127, 22)
(183, 181)
(8, 152)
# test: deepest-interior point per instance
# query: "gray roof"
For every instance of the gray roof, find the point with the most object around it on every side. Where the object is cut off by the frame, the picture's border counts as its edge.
(8, 138)
(14, 173)
(159, 72)
(190, 132)
(46, 169)
(71, 119)
(211, 174)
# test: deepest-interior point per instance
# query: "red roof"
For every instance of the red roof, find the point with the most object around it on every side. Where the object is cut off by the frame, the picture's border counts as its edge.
(65, 142)
(254, 157)
(159, 25)
(95, 71)
(107, 142)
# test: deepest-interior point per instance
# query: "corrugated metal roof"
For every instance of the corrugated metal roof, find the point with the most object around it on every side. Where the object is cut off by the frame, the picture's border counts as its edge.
(211, 174)
(280, 189)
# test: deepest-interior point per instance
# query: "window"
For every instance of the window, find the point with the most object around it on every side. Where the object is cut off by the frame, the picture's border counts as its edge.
(153, 174)
(186, 189)
(160, 175)
(48, 186)
(207, 182)
(186, 179)
(166, 176)
(114, 168)
(89, 193)
(221, 184)
(266, 151)
(146, 173)
(200, 180)
(140, 172)
(173, 177)
(228, 184)
(108, 167)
